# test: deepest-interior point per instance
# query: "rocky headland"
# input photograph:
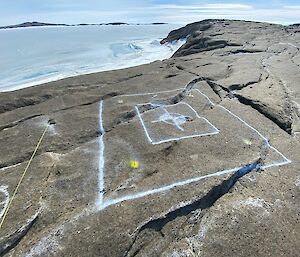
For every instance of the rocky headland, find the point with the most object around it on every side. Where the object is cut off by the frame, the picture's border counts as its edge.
(197, 155)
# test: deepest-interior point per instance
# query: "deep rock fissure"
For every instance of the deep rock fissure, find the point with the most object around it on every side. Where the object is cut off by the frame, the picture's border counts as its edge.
(203, 203)
(241, 86)
(12, 240)
(223, 92)
(285, 125)
(246, 51)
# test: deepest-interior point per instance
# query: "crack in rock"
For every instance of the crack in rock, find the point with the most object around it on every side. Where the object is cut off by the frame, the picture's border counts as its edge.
(241, 86)
(12, 240)
(246, 51)
(125, 117)
(17, 122)
(281, 120)
(198, 43)
(98, 99)
(203, 203)
(23, 102)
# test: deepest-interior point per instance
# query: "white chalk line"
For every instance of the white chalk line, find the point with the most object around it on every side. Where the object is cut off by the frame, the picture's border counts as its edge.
(216, 130)
(104, 204)
(255, 130)
(175, 120)
(185, 137)
(143, 124)
(164, 118)
(164, 188)
(208, 99)
(101, 158)
(201, 117)
(290, 44)
(5, 202)
(11, 166)
(159, 92)
(176, 184)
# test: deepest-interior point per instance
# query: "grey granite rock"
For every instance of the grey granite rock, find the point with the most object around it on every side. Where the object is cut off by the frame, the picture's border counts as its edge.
(242, 77)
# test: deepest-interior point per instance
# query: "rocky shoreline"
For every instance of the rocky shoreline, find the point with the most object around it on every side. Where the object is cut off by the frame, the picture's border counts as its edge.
(43, 24)
(215, 132)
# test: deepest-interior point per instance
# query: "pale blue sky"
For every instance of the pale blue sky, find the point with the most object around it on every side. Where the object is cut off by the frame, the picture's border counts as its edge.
(135, 11)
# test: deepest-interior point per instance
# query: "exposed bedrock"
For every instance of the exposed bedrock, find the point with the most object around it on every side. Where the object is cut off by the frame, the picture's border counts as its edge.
(235, 83)
(158, 229)
(259, 69)
(197, 43)
(187, 30)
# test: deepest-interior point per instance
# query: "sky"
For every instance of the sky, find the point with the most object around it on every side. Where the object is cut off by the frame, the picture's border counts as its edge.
(146, 11)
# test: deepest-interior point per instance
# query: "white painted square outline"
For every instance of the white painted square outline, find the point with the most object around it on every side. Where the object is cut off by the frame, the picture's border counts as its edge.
(101, 204)
(216, 130)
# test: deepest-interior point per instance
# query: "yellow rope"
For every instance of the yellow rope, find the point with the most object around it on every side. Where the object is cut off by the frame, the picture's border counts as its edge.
(22, 177)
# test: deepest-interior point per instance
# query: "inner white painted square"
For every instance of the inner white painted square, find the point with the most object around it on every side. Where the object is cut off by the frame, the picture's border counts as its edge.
(167, 123)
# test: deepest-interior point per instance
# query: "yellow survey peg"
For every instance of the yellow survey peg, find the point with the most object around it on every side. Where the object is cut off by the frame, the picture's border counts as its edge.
(134, 164)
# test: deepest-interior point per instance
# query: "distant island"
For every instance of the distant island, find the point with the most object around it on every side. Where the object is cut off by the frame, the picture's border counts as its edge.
(42, 24)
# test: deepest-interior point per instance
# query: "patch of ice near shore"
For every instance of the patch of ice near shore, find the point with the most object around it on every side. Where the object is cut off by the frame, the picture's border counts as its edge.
(37, 66)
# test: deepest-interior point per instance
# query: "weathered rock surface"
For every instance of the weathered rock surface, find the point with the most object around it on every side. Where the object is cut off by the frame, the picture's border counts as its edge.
(215, 131)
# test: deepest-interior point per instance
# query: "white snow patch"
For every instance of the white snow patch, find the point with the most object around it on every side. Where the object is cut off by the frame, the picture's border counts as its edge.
(255, 203)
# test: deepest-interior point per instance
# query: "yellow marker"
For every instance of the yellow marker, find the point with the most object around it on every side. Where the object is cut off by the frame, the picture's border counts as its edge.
(134, 164)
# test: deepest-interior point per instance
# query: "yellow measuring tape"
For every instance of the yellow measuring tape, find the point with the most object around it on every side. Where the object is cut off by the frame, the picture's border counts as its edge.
(22, 177)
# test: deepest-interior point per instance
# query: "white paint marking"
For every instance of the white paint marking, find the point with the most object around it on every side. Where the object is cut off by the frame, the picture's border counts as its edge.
(12, 166)
(185, 137)
(208, 99)
(264, 138)
(165, 188)
(155, 94)
(290, 44)
(176, 119)
(201, 117)
(256, 131)
(216, 130)
(101, 159)
(171, 186)
(4, 203)
(143, 124)
(105, 204)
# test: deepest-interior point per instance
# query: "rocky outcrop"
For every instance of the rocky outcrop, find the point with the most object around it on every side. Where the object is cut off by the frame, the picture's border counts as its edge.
(197, 43)
(187, 30)
(43, 24)
(33, 24)
(107, 180)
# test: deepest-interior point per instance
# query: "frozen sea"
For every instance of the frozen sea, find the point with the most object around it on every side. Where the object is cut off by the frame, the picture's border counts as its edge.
(31, 56)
